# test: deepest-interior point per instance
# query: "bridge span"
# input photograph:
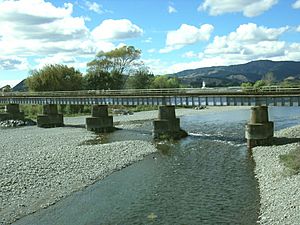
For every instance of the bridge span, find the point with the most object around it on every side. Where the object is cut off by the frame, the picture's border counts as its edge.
(259, 130)
(154, 97)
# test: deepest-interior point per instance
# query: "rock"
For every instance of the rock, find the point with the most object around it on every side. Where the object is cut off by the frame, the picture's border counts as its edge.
(17, 123)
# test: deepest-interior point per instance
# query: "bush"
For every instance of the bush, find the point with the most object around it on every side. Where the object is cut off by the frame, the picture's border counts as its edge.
(292, 160)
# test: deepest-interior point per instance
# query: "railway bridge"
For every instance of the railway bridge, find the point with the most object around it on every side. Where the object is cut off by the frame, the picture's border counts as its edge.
(259, 130)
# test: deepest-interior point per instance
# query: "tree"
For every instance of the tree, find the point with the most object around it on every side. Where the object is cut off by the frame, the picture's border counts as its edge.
(97, 80)
(54, 78)
(246, 85)
(116, 63)
(141, 79)
(165, 82)
(269, 78)
(118, 60)
(259, 83)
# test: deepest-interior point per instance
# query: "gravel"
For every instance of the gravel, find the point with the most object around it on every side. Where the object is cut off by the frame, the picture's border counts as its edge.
(17, 123)
(40, 166)
(279, 188)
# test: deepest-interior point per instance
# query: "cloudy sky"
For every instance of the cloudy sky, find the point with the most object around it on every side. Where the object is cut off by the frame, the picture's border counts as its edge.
(173, 35)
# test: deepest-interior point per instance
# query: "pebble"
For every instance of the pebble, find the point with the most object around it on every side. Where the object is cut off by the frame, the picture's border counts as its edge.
(40, 166)
(279, 190)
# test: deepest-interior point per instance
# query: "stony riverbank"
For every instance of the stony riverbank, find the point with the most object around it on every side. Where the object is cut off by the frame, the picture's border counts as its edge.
(40, 166)
(279, 189)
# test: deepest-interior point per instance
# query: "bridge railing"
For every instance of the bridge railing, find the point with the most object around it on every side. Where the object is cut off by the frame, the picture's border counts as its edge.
(123, 92)
(154, 92)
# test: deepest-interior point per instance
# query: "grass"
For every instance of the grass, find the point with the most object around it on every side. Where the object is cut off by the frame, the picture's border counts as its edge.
(292, 160)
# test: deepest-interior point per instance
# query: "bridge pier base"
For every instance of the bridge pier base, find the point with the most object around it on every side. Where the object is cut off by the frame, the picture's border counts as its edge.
(167, 125)
(50, 117)
(100, 120)
(259, 130)
(12, 112)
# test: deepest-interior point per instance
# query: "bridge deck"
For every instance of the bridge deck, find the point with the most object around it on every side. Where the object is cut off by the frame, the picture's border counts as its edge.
(178, 97)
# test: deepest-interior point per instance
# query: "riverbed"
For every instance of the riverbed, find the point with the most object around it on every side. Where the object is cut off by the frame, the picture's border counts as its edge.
(206, 178)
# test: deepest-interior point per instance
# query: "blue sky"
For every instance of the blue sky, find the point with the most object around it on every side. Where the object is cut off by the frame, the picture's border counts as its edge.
(173, 35)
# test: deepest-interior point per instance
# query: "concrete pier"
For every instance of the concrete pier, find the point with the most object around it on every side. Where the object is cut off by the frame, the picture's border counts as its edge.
(167, 125)
(50, 117)
(100, 120)
(259, 130)
(12, 112)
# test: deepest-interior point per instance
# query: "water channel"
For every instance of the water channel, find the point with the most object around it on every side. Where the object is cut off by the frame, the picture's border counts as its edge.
(206, 178)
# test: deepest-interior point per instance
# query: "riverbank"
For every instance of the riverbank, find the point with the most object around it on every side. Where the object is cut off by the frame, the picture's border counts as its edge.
(38, 167)
(279, 188)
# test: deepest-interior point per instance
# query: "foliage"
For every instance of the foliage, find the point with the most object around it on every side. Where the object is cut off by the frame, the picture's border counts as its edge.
(119, 60)
(141, 79)
(259, 83)
(97, 80)
(292, 160)
(31, 111)
(55, 78)
(246, 85)
(165, 82)
(107, 70)
(72, 110)
(269, 78)
(6, 88)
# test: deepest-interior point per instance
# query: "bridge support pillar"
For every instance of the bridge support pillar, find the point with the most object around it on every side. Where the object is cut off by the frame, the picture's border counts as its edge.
(50, 117)
(167, 125)
(259, 130)
(12, 112)
(100, 120)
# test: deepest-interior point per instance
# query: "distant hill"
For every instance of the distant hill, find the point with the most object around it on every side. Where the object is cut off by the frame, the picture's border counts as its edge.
(20, 86)
(236, 74)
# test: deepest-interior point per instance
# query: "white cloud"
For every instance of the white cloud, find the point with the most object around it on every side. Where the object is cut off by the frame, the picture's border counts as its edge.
(13, 63)
(152, 50)
(247, 43)
(298, 29)
(34, 27)
(33, 12)
(60, 59)
(249, 8)
(186, 35)
(296, 4)
(94, 6)
(190, 54)
(12, 83)
(171, 9)
(37, 28)
(244, 38)
(116, 29)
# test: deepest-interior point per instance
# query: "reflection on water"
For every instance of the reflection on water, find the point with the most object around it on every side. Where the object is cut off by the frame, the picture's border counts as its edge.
(206, 178)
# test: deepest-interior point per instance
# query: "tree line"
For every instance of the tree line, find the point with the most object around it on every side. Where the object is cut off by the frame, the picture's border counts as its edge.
(118, 69)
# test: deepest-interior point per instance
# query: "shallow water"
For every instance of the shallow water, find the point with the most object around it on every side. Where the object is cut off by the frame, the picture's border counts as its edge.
(206, 178)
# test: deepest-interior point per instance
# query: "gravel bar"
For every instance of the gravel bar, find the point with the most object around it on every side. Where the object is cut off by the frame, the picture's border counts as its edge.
(279, 189)
(40, 166)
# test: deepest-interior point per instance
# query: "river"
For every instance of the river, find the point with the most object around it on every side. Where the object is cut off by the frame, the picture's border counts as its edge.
(206, 178)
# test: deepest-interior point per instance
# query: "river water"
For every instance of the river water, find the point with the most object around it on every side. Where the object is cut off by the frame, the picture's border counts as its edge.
(206, 178)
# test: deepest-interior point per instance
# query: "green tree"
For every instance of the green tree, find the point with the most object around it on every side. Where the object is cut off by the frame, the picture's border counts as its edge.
(120, 60)
(165, 82)
(97, 80)
(246, 85)
(269, 78)
(141, 79)
(54, 78)
(117, 63)
(259, 83)
(173, 83)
